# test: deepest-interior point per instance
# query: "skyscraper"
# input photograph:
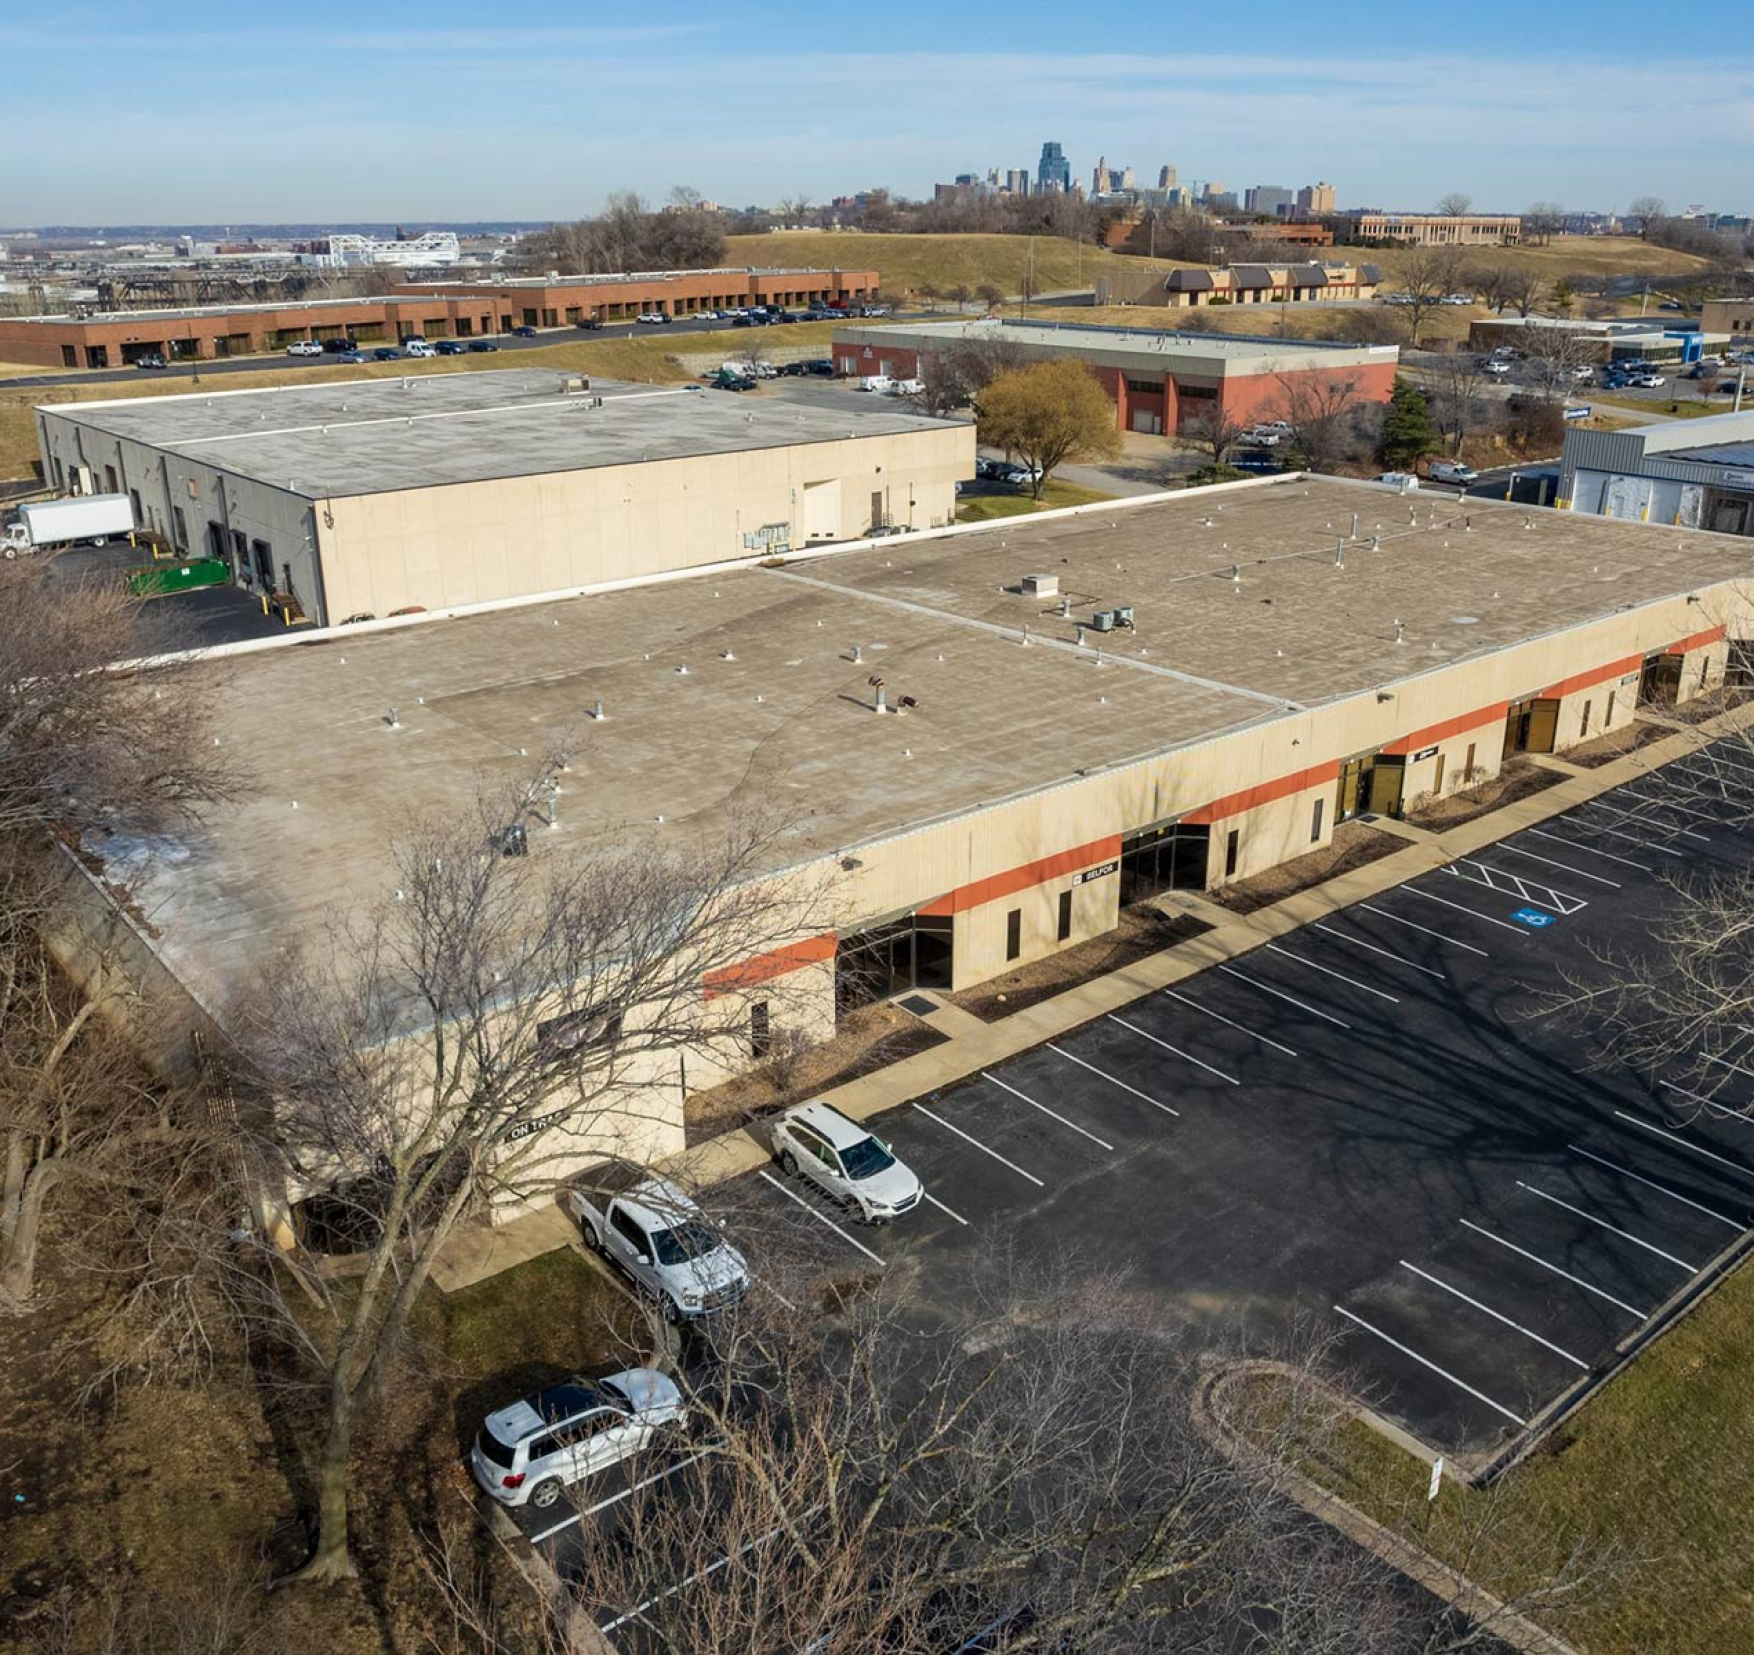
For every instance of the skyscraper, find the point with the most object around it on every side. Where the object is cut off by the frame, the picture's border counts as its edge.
(1099, 178)
(1166, 179)
(1127, 181)
(1054, 172)
(1268, 200)
(1315, 199)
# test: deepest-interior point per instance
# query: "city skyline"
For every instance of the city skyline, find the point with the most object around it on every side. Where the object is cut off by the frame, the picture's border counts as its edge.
(318, 134)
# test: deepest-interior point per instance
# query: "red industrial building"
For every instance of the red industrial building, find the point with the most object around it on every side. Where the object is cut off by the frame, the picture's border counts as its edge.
(430, 310)
(1162, 383)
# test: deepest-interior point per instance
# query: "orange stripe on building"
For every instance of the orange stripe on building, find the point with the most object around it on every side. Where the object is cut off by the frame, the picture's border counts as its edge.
(1022, 879)
(763, 968)
(1234, 804)
(1698, 640)
(1595, 675)
(1432, 733)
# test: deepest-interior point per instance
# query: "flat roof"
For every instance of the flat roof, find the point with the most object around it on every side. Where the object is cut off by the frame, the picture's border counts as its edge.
(1199, 353)
(343, 438)
(775, 708)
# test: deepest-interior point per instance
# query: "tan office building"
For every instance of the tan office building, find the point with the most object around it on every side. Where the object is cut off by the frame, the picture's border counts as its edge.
(989, 738)
(1433, 229)
(442, 491)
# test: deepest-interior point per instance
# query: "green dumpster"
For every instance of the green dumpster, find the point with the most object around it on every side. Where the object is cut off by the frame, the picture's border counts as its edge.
(161, 580)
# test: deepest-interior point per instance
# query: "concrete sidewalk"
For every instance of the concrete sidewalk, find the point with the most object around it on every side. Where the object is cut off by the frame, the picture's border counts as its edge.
(972, 1045)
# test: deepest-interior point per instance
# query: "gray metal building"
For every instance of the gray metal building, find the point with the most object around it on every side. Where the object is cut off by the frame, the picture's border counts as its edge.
(1692, 473)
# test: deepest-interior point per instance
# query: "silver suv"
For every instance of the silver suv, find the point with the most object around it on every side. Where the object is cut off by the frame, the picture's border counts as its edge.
(849, 1162)
(528, 1453)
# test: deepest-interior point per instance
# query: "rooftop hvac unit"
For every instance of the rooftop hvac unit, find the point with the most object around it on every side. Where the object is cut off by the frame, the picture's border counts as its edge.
(1123, 614)
(1103, 621)
(1041, 586)
(574, 385)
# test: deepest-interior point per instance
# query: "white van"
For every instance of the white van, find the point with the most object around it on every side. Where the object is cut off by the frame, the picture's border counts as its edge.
(875, 382)
(417, 347)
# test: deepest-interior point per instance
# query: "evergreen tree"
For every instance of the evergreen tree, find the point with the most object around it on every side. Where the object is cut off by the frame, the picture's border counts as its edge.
(1408, 433)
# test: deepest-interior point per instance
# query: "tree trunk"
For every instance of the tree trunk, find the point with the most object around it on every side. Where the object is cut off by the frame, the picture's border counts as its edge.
(331, 1559)
(12, 1186)
(18, 1263)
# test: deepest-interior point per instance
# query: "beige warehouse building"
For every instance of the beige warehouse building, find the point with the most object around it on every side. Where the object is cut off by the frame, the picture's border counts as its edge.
(441, 491)
(990, 739)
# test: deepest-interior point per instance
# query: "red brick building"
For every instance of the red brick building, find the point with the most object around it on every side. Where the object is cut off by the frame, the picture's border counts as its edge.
(1161, 383)
(431, 310)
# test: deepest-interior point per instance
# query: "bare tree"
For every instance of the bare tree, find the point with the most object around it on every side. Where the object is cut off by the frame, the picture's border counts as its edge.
(1427, 274)
(1543, 221)
(97, 760)
(1321, 416)
(1643, 212)
(989, 295)
(1215, 432)
(507, 1012)
(1454, 204)
(1458, 396)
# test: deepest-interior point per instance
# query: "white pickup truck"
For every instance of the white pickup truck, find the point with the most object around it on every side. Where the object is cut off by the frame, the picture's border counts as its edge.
(93, 517)
(654, 1234)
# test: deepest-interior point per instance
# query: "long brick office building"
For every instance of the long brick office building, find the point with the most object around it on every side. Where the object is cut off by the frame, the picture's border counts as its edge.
(431, 310)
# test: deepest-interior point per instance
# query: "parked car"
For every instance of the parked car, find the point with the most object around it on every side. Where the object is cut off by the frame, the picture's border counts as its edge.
(723, 381)
(822, 368)
(528, 1453)
(351, 356)
(525, 332)
(1648, 382)
(151, 359)
(1583, 371)
(336, 346)
(418, 347)
(1452, 471)
(655, 1235)
(875, 382)
(1496, 366)
(479, 345)
(449, 347)
(1257, 465)
(906, 388)
(412, 340)
(304, 347)
(386, 353)
(591, 324)
(653, 318)
(846, 1160)
(1669, 304)
(1260, 437)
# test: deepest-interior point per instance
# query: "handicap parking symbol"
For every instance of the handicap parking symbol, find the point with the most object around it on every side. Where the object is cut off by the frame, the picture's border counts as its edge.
(1534, 918)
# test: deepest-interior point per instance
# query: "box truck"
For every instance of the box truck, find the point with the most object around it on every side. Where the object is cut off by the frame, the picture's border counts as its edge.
(98, 518)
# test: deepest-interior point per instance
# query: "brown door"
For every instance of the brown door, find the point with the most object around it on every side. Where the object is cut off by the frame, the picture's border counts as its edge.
(1386, 779)
(1437, 778)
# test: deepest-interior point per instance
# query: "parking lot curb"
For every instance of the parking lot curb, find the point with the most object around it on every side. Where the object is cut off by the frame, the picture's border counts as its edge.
(1447, 1584)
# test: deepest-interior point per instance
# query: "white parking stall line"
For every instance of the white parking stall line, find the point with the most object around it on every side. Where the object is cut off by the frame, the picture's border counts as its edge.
(1592, 850)
(1241, 1028)
(1675, 804)
(1534, 1258)
(1412, 925)
(1426, 1362)
(1496, 1315)
(1387, 954)
(1735, 1224)
(1645, 820)
(1186, 1057)
(1716, 764)
(1279, 994)
(1676, 1138)
(1724, 1062)
(1722, 1111)
(944, 1209)
(1006, 1086)
(791, 1195)
(1506, 883)
(1614, 1229)
(1146, 1097)
(702, 1574)
(1564, 867)
(1328, 970)
(1462, 908)
(1630, 838)
(922, 1109)
(626, 1493)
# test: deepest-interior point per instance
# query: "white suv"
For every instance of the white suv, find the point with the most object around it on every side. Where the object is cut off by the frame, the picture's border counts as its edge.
(528, 1453)
(304, 347)
(850, 1163)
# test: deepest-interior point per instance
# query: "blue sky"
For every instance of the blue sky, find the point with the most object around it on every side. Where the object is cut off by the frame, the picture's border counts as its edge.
(137, 113)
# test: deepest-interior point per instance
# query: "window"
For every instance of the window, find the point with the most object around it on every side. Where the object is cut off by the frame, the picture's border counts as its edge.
(1146, 387)
(1583, 728)
(1607, 723)
(1014, 933)
(760, 1030)
(1468, 766)
(629, 1231)
(1232, 845)
(69, 356)
(1437, 777)
(1065, 927)
(1315, 822)
(587, 1029)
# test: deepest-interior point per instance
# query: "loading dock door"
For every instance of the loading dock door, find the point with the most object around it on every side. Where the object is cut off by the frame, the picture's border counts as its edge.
(1529, 726)
(822, 510)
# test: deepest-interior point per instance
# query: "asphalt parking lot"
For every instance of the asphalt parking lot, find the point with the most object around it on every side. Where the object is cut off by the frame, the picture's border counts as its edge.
(1372, 1122)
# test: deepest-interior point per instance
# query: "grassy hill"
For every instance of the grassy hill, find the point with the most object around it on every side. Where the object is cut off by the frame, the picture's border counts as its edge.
(1563, 256)
(910, 263)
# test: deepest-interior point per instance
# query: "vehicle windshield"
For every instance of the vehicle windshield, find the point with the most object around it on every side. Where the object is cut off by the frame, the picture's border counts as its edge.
(866, 1159)
(686, 1241)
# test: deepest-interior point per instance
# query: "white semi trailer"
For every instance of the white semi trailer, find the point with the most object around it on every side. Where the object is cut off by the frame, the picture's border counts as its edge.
(98, 518)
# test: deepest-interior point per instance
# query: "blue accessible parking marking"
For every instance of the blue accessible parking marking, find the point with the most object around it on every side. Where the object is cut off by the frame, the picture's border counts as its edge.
(1533, 917)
